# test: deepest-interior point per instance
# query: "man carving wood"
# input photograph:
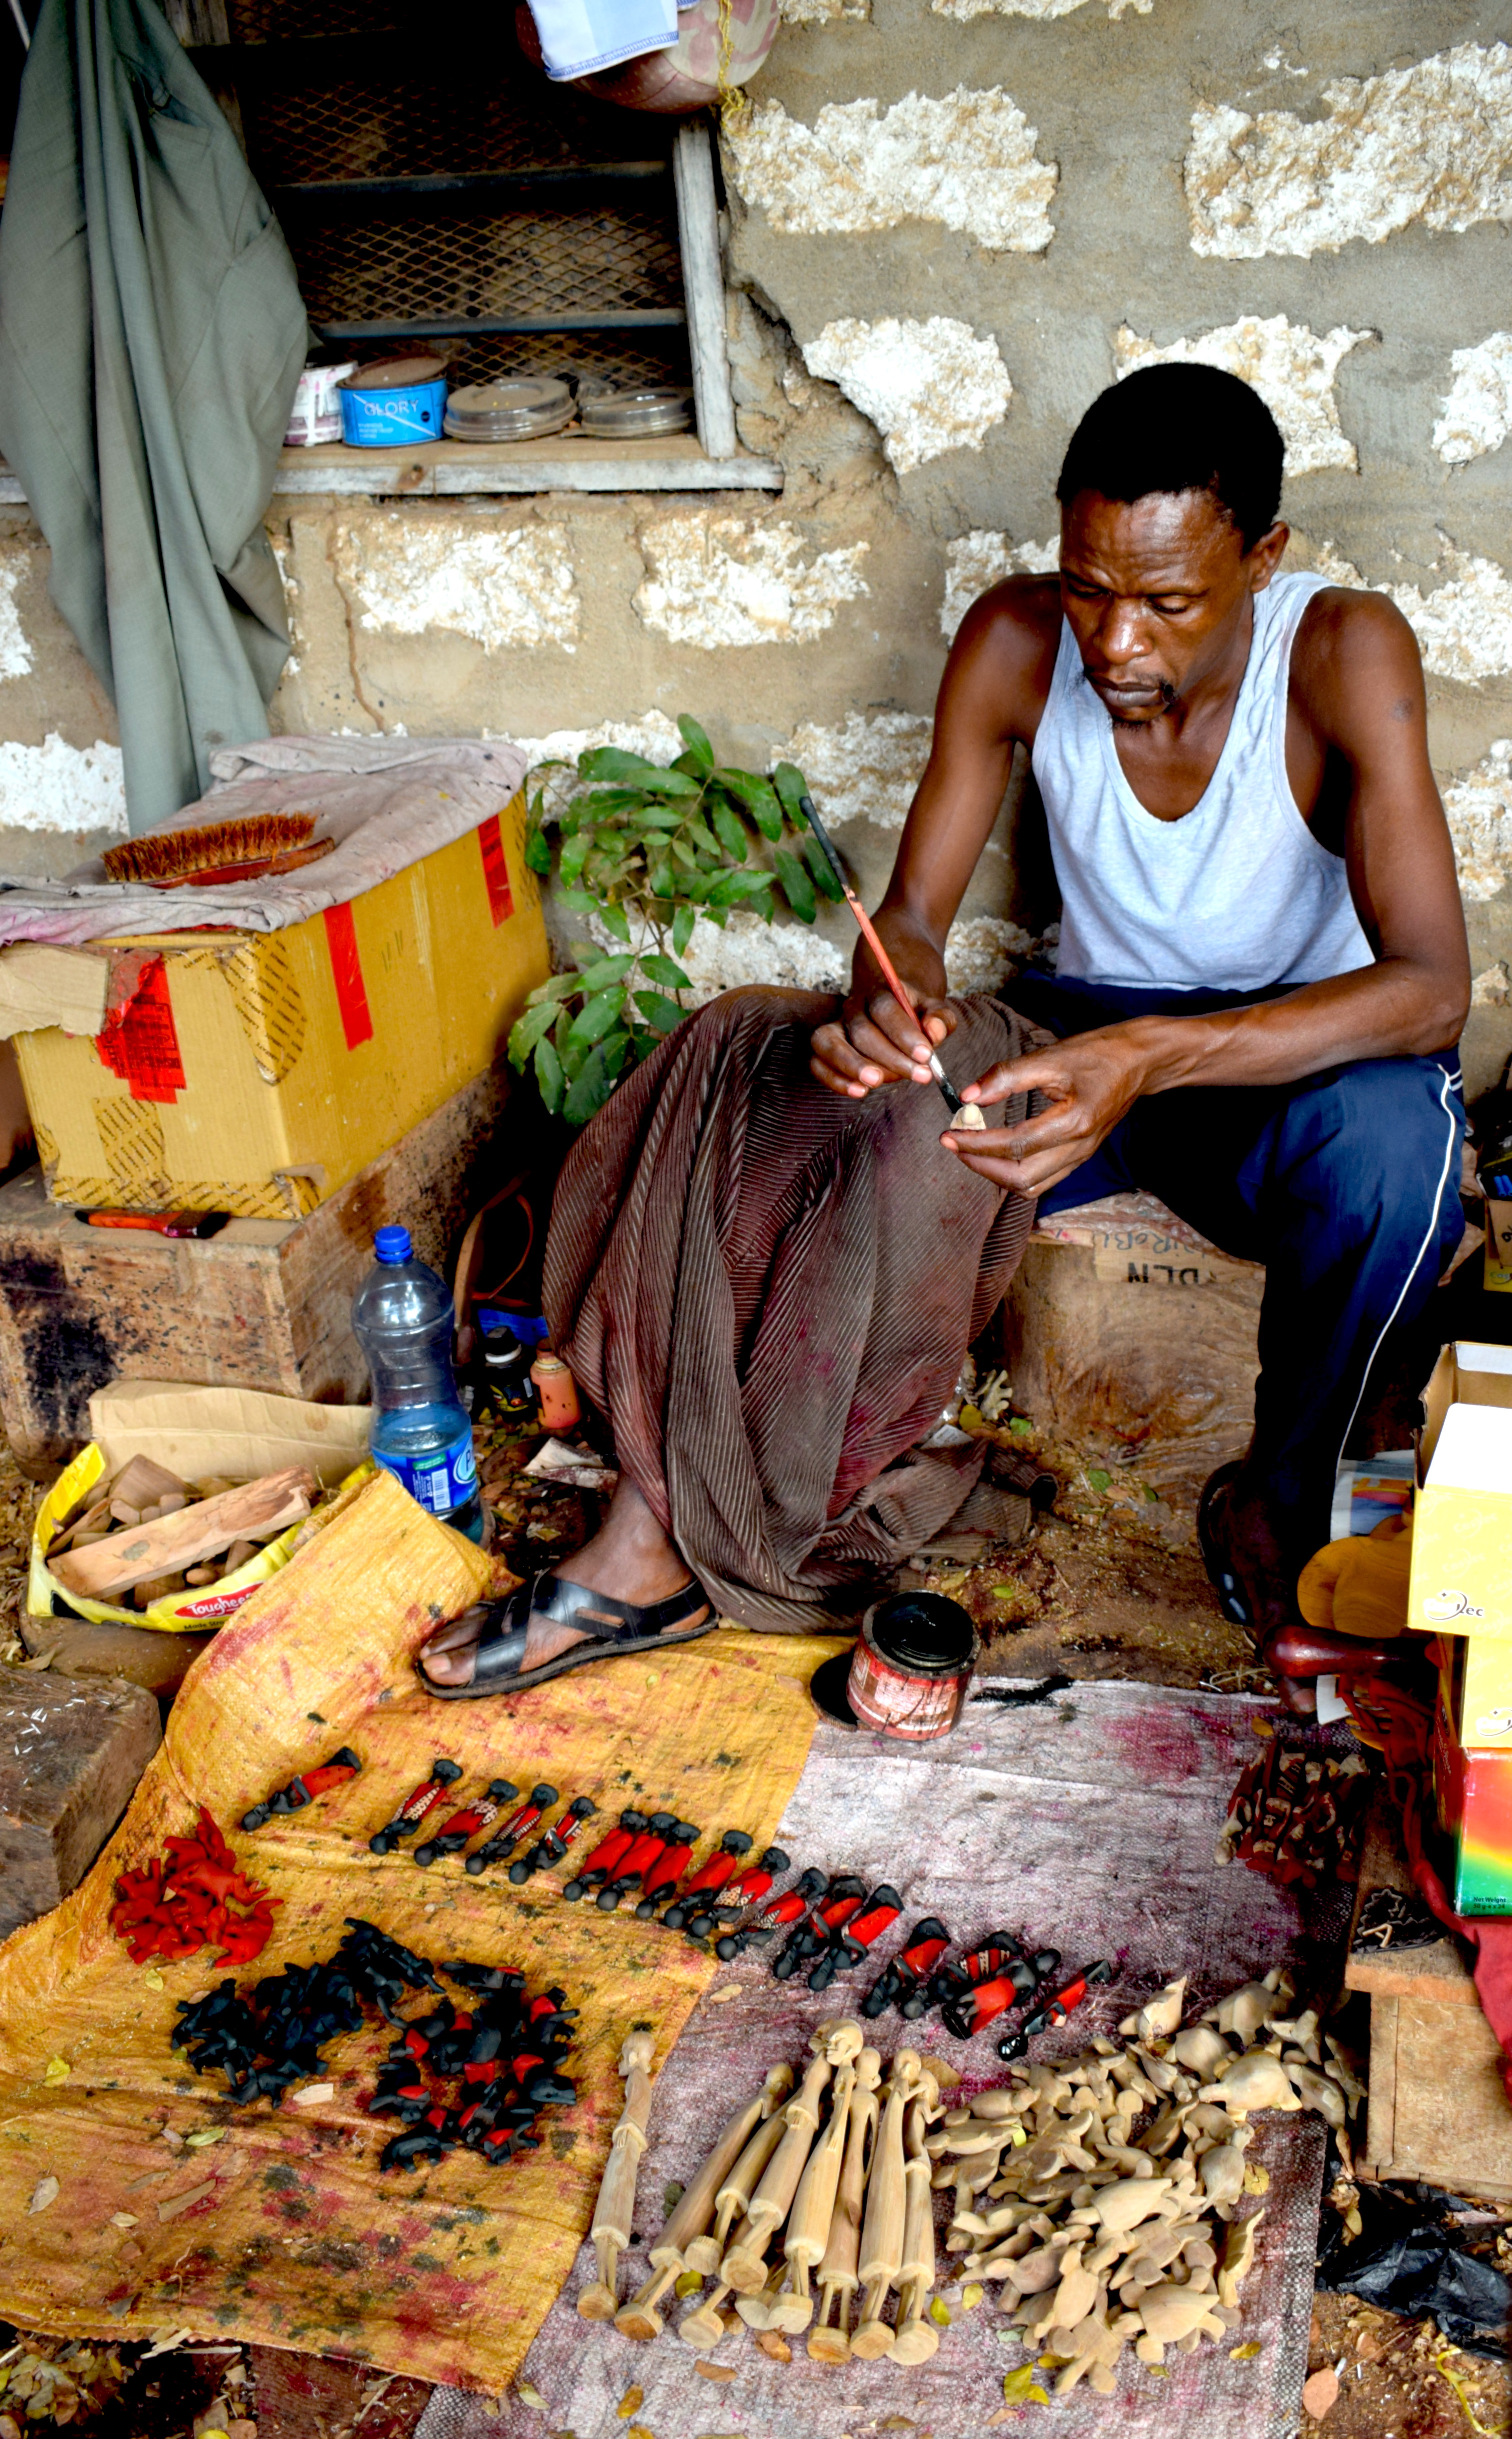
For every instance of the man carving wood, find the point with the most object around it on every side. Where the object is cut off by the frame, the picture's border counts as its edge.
(768, 1256)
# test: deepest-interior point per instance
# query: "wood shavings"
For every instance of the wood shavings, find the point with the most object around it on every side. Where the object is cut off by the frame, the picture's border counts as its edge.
(177, 2202)
(721, 1997)
(314, 2095)
(123, 2219)
(44, 2195)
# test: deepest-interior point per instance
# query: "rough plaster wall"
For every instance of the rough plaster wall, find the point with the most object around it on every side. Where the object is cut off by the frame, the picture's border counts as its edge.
(1321, 197)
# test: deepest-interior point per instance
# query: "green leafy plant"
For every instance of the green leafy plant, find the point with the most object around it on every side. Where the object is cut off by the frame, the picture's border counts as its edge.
(648, 851)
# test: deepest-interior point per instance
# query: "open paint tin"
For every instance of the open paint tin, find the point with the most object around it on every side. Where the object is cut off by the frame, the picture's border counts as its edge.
(908, 1674)
(394, 404)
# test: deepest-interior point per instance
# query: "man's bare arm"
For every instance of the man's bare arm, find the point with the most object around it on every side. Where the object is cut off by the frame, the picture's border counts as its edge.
(1360, 677)
(991, 697)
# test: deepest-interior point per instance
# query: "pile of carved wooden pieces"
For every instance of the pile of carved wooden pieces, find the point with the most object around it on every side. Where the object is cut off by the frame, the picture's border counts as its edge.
(1101, 2193)
(1103, 2236)
(144, 1534)
(1297, 1816)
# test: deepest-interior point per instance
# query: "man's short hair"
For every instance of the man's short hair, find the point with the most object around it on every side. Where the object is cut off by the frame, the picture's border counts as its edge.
(1181, 428)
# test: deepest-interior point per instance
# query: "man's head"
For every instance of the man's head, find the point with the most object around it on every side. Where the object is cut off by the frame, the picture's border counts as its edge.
(1169, 498)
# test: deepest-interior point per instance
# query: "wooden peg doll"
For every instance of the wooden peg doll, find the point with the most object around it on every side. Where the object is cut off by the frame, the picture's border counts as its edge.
(838, 2276)
(881, 2235)
(614, 2215)
(707, 2253)
(704, 2327)
(690, 2219)
(743, 2266)
(916, 2338)
(814, 2205)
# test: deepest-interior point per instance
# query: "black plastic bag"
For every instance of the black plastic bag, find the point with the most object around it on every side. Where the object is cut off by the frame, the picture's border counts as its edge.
(1410, 2258)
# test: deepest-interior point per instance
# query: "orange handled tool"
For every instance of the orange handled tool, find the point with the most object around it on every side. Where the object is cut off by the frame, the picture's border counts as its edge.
(869, 934)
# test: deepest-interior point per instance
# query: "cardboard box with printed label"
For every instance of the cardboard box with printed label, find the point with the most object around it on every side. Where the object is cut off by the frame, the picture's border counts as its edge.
(257, 1072)
(1461, 1591)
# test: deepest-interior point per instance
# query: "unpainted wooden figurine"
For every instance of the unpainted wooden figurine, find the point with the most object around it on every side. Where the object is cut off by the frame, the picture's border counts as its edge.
(707, 2253)
(814, 2205)
(916, 2338)
(837, 2274)
(744, 2264)
(881, 2235)
(689, 2220)
(614, 2215)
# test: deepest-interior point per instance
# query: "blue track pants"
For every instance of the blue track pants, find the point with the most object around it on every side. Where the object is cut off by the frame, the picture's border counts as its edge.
(1345, 1185)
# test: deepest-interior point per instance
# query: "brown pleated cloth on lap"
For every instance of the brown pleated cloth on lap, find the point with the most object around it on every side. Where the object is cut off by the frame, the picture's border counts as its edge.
(769, 1290)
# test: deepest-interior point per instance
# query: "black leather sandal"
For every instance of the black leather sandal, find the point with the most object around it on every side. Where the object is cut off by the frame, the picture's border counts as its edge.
(616, 1632)
(1224, 1582)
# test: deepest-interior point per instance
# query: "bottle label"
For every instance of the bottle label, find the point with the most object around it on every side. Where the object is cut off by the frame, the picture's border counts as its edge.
(437, 1483)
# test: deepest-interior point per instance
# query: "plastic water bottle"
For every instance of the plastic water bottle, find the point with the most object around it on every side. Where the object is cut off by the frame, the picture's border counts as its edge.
(402, 1318)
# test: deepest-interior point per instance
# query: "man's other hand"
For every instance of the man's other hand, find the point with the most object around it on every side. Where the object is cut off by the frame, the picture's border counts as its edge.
(872, 1043)
(1089, 1084)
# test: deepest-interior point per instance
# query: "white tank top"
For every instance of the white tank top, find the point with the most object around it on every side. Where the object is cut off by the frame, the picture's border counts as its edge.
(1236, 894)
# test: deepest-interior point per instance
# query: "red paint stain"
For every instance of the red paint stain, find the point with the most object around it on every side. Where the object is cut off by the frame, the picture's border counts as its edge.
(1159, 1747)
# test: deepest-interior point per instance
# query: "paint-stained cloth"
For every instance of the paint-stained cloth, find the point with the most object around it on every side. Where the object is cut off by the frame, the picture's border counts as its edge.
(767, 1290)
(273, 2225)
(151, 337)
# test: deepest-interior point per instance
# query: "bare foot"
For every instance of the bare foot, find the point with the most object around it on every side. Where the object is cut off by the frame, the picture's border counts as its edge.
(629, 1556)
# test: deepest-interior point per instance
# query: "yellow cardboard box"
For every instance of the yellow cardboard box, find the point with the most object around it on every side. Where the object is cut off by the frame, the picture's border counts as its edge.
(1461, 1585)
(1499, 1247)
(256, 1073)
(240, 1434)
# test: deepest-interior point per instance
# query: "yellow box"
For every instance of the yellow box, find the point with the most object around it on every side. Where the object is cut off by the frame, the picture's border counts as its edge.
(256, 1073)
(1475, 1691)
(1462, 1524)
(1499, 1247)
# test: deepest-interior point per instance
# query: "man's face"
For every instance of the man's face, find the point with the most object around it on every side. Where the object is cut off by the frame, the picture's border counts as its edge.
(1157, 591)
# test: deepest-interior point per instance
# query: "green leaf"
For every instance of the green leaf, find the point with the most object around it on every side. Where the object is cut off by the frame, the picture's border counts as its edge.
(691, 765)
(683, 854)
(598, 1014)
(663, 880)
(581, 902)
(731, 831)
(697, 744)
(574, 856)
(662, 817)
(605, 971)
(703, 837)
(612, 762)
(537, 854)
(532, 1027)
(560, 986)
(796, 886)
(758, 797)
(791, 787)
(1097, 1480)
(819, 864)
(549, 1076)
(731, 886)
(683, 922)
(662, 969)
(617, 921)
(660, 1014)
(588, 1091)
(616, 1049)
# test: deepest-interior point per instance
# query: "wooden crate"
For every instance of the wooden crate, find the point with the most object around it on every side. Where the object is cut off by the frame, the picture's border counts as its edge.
(1437, 2109)
(265, 1305)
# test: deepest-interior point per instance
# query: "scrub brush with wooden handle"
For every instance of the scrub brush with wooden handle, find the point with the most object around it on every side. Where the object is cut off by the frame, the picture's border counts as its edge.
(248, 846)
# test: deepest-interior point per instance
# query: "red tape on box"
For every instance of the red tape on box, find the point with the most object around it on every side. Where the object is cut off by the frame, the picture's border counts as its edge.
(138, 1041)
(495, 871)
(347, 973)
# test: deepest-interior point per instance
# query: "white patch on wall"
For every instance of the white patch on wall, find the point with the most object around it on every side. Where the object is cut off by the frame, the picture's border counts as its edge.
(966, 160)
(792, 956)
(1290, 366)
(654, 735)
(58, 787)
(1464, 627)
(15, 651)
(981, 952)
(503, 587)
(928, 386)
(1479, 820)
(1477, 413)
(1429, 143)
(1491, 989)
(719, 580)
(965, 9)
(822, 12)
(981, 558)
(866, 769)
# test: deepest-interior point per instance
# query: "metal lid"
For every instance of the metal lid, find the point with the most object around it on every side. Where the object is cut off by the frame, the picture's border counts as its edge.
(397, 372)
(924, 1631)
(634, 413)
(508, 410)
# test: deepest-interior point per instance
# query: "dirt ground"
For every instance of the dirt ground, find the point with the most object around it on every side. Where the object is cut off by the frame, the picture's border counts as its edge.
(1107, 1584)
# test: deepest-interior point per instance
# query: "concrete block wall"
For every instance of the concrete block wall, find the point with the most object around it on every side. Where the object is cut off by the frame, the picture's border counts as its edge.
(949, 224)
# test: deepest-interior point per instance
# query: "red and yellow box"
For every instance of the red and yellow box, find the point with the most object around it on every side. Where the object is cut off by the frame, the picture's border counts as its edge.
(257, 1072)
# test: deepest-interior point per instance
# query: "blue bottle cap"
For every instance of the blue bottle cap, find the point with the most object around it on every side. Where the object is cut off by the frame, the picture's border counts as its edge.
(393, 1245)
